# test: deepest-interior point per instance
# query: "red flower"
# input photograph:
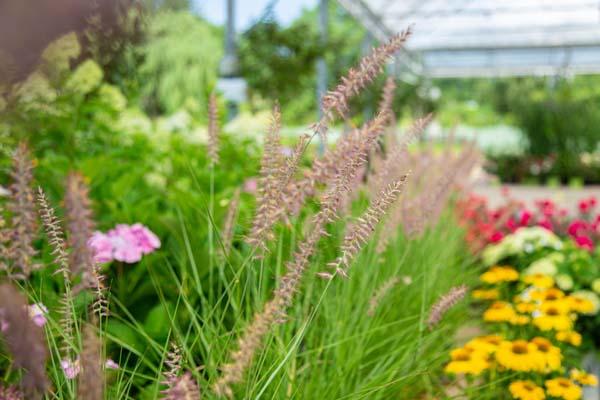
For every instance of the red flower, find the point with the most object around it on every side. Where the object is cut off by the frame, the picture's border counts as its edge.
(525, 218)
(511, 224)
(584, 242)
(577, 228)
(496, 237)
(546, 223)
(584, 206)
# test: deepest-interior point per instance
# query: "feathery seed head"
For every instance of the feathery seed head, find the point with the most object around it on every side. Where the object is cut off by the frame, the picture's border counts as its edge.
(445, 303)
(91, 378)
(184, 387)
(54, 233)
(22, 207)
(213, 129)
(80, 224)
(359, 77)
(25, 341)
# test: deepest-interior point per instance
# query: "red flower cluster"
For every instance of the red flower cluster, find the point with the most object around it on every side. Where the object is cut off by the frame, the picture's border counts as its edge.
(485, 225)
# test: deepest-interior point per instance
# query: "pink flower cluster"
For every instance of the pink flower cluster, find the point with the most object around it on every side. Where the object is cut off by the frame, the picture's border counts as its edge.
(126, 243)
(490, 225)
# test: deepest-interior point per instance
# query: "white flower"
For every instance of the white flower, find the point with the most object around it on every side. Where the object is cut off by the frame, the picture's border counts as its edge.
(564, 281)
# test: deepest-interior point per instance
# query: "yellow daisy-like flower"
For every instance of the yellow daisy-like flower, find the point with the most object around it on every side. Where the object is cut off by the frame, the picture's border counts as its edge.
(526, 390)
(561, 306)
(486, 294)
(551, 354)
(584, 378)
(539, 280)
(485, 344)
(519, 355)
(571, 337)
(498, 274)
(580, 305)
(520, 320)
(553, 316)
(499, 311)
(466, 361)
(525, 308)
(547, 294)
(563, 388)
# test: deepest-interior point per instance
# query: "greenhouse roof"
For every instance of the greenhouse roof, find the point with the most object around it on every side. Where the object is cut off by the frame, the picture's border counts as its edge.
(462, 38)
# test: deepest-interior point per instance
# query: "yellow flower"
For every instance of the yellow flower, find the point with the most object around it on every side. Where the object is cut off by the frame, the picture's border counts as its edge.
(570, 337)
(539, 280)
(486, 294)
(499, 311)
(547, 294)
(519, 355)
(563, 388)
(584, 378)
(551, 354)
(553, 316)
(561, 306)
(525, 308)
(499, 274)
(466, 361)
(580, 305)
(526, 390)
(485, 344)
(519, 319)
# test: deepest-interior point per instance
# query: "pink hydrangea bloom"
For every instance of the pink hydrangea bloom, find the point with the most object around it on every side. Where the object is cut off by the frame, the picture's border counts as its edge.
(70, 368)
(38, 312)
(147, 241)
(126, 243)
(102, 247)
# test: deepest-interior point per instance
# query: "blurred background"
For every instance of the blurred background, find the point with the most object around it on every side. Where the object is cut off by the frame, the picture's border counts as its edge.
(519, 77)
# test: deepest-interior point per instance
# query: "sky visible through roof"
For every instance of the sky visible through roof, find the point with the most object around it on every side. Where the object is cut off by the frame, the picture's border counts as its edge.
(248, 11)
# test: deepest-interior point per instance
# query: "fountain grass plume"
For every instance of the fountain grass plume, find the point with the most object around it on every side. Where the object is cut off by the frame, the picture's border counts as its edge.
(380, 293)
(360, 232)
(91, 379)
(359, 77)
(269, 187)
(25, 341)
(21, 205)
(80, 225)
(213, 129)
(445, 303)
(55, 234)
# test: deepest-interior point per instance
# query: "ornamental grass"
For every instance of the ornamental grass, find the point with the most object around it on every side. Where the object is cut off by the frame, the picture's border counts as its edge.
(234, 303)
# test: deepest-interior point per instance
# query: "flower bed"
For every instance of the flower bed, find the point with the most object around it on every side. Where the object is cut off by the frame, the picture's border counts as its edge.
(540, 310)
(487, 225)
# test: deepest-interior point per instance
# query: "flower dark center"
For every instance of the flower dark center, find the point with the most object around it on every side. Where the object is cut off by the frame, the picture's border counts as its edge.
(519, 348)
(528, 386)
(552, 311)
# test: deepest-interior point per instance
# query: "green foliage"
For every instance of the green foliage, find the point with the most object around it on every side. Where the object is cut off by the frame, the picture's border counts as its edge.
(559, 118)
(279, 63)
(180, 61)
